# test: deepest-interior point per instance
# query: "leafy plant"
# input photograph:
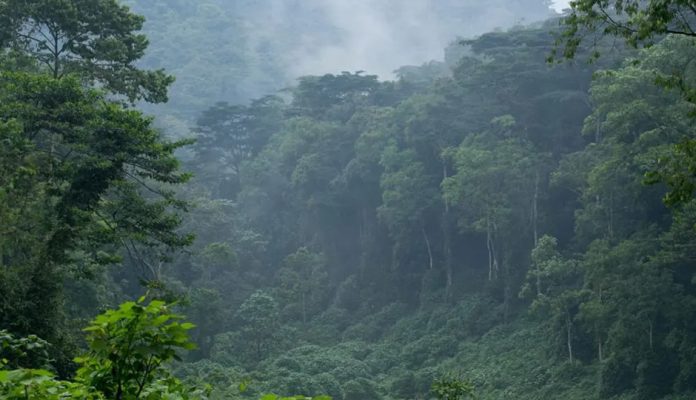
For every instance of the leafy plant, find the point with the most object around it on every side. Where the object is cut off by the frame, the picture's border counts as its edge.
(30, 351)
(128, 347)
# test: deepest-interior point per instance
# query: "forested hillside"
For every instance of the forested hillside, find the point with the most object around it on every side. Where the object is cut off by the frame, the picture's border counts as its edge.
(514, 222)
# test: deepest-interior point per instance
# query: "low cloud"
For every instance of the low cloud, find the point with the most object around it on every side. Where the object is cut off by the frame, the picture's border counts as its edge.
(381, 36)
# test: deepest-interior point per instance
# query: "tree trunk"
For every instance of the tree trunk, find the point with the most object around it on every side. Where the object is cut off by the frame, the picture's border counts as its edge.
(611, 215)
(569, 337)
(430, 251)
(56, 55)
(304, 309)
(447, 242)
(507, 291)
(494, 252)
(448, 258)
(535, 209)
(490, 250)
(600, 349)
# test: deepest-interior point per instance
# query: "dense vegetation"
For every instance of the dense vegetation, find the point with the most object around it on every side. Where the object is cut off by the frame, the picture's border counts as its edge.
(505, 224)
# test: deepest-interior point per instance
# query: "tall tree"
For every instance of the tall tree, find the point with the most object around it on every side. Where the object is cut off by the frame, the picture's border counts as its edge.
(643, 23)
(85, 178)
(96, 39)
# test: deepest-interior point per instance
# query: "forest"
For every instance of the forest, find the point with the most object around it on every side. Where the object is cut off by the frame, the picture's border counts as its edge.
(191, 207)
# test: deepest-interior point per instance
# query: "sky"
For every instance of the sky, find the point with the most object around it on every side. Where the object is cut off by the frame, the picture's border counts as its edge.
(559, 5)
(381, 36)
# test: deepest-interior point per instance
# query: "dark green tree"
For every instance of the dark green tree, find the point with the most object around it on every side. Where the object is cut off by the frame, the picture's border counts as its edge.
(97, 40)
(259, 323)
(82, 179)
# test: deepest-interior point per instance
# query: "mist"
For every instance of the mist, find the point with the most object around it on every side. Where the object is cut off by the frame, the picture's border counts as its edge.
(380, 37)
(252, 48)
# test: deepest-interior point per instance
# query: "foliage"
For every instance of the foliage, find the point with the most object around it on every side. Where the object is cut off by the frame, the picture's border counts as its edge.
(275, 397)
(30, 351)
(645, 23)
(259, 323)
(22, 384)
(451, 388)
(637, 22)
(128, 347)
(76, 173)
(96, 40)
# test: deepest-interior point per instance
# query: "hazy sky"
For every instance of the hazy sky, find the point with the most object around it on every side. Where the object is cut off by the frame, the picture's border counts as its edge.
(248, 48)
(381, 36)
(559, 5)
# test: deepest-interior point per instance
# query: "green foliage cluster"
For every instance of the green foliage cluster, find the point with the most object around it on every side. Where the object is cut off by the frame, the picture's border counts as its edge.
(128, 348)
(449, 388)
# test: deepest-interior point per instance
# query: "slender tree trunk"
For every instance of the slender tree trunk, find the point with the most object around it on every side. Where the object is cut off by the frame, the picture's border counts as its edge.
(448, 255)
(430, 251)
(56, 55)
(304, 309)
(490, 250)
(445, 176)
(650, 334)
(447, 242)
(600, 348)
(507, 291)
(569, 337)
(494, 252)
(611, 215)
(535, 209)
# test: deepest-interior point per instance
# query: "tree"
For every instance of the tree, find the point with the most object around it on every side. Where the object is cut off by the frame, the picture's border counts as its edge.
(408, 199)
(493, 189)
(228, 135)
(552, 283)
(96, 40)
(638, 22)
(642, 23)
(259, 323)
(333, 97)
(93, 158)
(303, 279)
(81, 177)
